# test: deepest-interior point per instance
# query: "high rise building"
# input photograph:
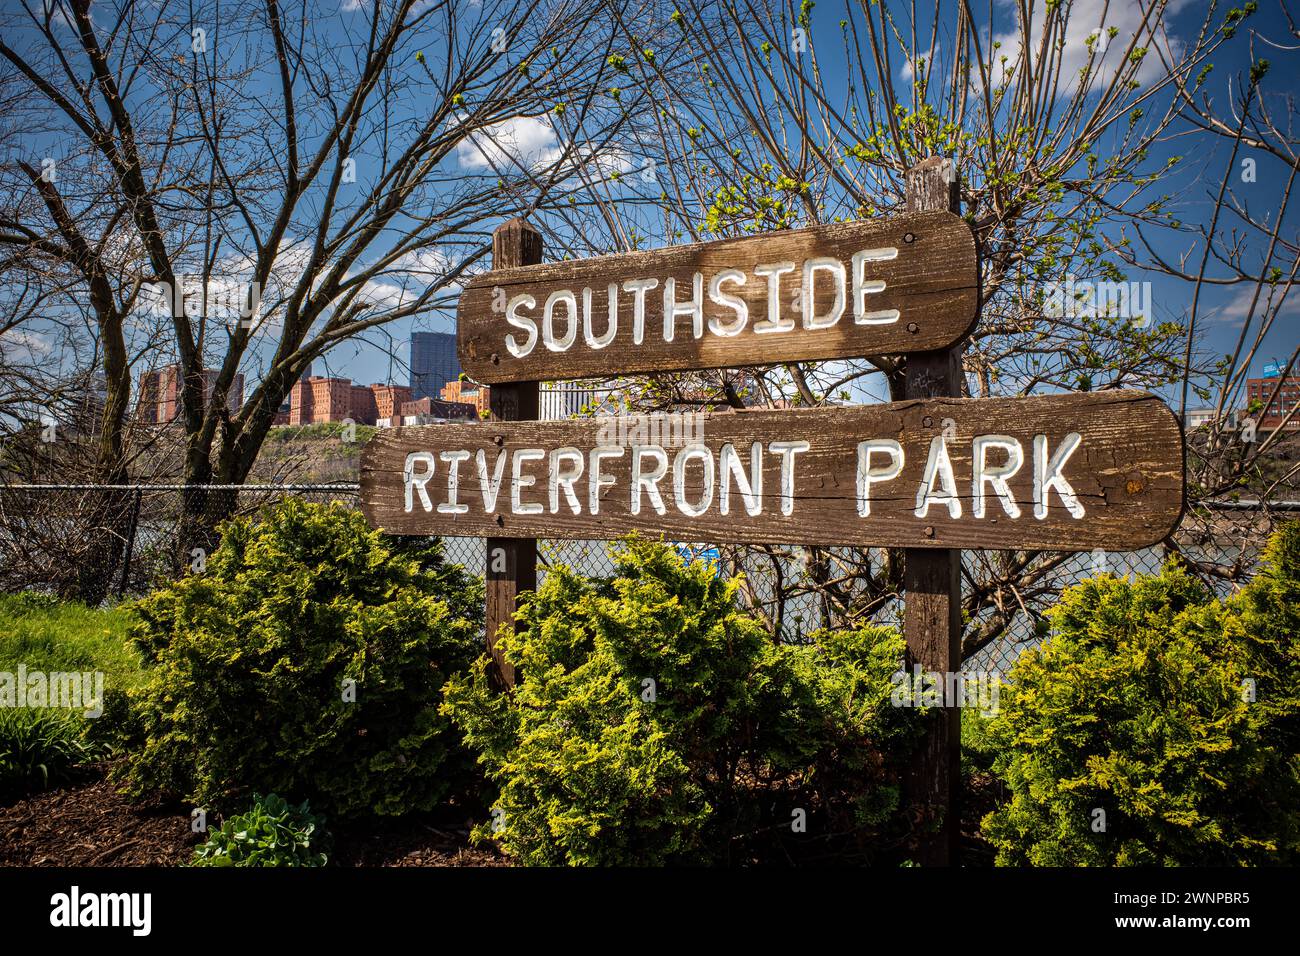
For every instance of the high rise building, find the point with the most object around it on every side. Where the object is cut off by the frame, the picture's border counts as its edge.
(434, 363)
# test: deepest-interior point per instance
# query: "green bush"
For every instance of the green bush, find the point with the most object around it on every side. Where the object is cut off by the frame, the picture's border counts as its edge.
(1140, 706)
(273, 832)
(308, 660)
(653, 722)
(39, 747)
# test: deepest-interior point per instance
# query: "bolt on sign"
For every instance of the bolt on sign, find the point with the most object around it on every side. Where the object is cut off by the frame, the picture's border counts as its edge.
(885, 286)
(1066, 472)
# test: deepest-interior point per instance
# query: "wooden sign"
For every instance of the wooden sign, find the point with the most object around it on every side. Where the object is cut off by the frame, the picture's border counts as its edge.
(1068, 472)
(885, 286)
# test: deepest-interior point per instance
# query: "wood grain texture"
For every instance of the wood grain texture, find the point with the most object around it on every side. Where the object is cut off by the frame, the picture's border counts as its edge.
(932, 622)
(932, 283)
(1127, 473)
(510, 563)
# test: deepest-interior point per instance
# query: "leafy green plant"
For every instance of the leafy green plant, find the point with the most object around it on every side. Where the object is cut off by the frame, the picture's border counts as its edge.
(654, 722)
(1157, 726)
(308, 660)
(39, 748)
(273, 832)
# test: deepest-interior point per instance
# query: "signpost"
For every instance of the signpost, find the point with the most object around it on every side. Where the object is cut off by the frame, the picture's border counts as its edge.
(510, 563)
(1052, 472)
(932, 474)
(932, 613)
(839, 291)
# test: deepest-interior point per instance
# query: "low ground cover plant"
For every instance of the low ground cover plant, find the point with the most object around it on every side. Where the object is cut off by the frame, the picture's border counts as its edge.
(39, 748)
(272, 832)
(46, 642)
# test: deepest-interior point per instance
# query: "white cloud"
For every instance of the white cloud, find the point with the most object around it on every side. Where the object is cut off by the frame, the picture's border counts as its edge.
(425, 263)
(386, 295)
(19, 341)
(910, 64)
(1237, 309)
(609, 160)
(1084, 19)
(523, 141)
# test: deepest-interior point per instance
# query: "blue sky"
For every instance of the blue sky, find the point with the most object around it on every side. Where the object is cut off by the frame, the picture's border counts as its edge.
(1193, 185)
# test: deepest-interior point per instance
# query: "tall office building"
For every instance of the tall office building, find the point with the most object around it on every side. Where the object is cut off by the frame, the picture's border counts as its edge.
(434, 363)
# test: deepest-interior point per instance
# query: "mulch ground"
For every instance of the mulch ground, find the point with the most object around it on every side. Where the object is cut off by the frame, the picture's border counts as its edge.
(91, 823)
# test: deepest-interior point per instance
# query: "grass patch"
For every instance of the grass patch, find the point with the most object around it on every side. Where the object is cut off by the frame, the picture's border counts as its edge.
(322, 431)
(52, 635)
(41, 746)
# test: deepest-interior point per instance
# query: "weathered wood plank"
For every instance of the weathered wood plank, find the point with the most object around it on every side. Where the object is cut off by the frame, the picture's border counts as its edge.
(932, 622)
(913, 286)
(1120, 487)
(511, 563)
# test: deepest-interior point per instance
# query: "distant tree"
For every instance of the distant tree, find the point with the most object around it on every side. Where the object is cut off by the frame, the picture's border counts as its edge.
(1246, 241)
(1057, 117)
(258, 183)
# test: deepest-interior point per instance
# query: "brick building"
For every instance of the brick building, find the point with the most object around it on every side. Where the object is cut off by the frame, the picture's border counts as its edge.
(389, 400)
(469, 393)
(317, 398)
(363, 405)
(1288, 396)
(282, 413)
(430, 411)
(158, 398)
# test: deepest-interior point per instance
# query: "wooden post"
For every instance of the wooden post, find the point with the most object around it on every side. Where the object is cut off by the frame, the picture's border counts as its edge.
(932, 582)
(511, 562)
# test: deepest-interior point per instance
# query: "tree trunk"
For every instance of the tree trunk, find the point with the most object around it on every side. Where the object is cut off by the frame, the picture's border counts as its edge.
(110, 513)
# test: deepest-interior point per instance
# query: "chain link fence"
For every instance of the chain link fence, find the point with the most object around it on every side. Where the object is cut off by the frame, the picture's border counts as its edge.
(116, 542)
